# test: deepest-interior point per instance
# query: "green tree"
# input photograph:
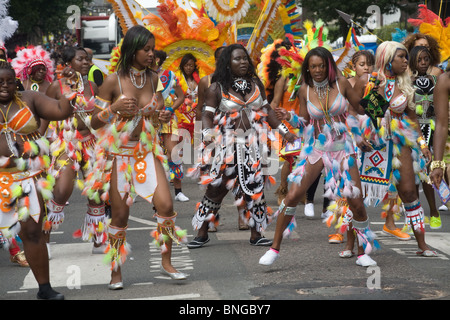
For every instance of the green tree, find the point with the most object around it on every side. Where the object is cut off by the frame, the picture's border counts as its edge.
(357, 9)
(39, 18)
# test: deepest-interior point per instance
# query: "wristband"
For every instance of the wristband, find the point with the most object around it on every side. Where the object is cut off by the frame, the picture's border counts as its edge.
(210, 109)
(106, 115)
(283, 129)
(437, 164)
(170, 109)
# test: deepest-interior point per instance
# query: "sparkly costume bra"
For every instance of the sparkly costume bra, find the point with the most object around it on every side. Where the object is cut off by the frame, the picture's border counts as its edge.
(23, 122)
(230, 102)
(338, 107)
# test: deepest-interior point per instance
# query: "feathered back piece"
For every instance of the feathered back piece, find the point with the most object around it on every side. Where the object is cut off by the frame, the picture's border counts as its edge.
(292, 60)
(177, 37)
(29, 57)
(431, 24)
(263, 66)
(316, 36)
(291, 63)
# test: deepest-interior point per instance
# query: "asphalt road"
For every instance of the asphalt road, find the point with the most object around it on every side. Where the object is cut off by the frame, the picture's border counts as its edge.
(227, 269)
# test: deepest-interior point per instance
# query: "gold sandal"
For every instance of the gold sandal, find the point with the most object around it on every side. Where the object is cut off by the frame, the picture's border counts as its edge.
(20, 259)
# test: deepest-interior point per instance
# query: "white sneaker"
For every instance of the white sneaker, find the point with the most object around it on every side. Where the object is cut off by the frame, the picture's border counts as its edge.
(443, 208)
(181, 197)
(309, 210)
(269, 257)
(365, 261)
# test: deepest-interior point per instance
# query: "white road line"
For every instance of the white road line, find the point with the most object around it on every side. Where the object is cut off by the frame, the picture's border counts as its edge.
(71, 265)
(143, 221)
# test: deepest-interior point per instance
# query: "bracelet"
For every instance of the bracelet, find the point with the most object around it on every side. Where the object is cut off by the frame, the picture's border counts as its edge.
(170, 109)
(106, 116)
(437, 164)
(423, 146)
(283, 129)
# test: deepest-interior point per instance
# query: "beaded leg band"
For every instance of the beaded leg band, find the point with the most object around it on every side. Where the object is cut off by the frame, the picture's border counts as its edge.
(365, 236)
(287, 211)
(415, 215)
(94, 226)
(55, 216)
(167, 232)
(117, 249)
(207, 211)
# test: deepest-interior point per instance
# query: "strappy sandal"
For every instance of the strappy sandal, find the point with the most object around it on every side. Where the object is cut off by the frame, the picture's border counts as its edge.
(346, 254)
(427, 253)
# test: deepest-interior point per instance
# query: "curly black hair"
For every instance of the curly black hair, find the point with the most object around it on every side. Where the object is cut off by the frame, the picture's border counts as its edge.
(223, 75)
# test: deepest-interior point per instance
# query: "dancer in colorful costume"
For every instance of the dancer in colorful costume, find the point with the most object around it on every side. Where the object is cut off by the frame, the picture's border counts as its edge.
(173, 97)
(34, 68)
(276, 85)
(324, 105)
(439, 168)
(189, 78)
(237, 117)
(396, 133)
(424, 84)
(73, 146)
(130, 160)
(24, 182)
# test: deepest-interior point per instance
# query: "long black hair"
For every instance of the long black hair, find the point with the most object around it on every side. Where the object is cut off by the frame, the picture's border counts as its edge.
(414, 58)
(222, 74)
(186, 58)
(330, 65)
(135, 39)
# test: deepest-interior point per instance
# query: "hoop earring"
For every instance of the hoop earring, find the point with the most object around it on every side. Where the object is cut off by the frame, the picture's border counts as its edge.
(389, 67)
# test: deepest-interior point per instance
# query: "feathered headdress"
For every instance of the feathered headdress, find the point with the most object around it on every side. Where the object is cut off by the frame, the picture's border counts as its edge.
(431, 24)
(291, 63)
(263, 66)
(292, 60)
(29, 57)
(7, 25)
(177, 37)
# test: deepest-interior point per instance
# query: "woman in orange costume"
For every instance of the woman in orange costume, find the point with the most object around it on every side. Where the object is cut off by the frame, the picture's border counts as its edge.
(24, 183)
(188, 75)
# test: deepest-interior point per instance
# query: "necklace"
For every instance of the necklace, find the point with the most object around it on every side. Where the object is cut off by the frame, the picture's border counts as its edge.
(242, 86)
(389, 88)
(11, 144)
(35, 84)
(321, 88)
(141, 73)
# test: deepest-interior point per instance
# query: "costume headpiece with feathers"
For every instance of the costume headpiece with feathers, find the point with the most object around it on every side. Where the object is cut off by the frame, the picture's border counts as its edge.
(29, 57)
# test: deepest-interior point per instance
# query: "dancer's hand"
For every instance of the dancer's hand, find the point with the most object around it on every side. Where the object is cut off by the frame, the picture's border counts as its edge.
(427, 154)
(436, 176)
(69, 73)
(364, 145)
(165, 115)
(282, 114)
(290, 137)
(125, 106)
